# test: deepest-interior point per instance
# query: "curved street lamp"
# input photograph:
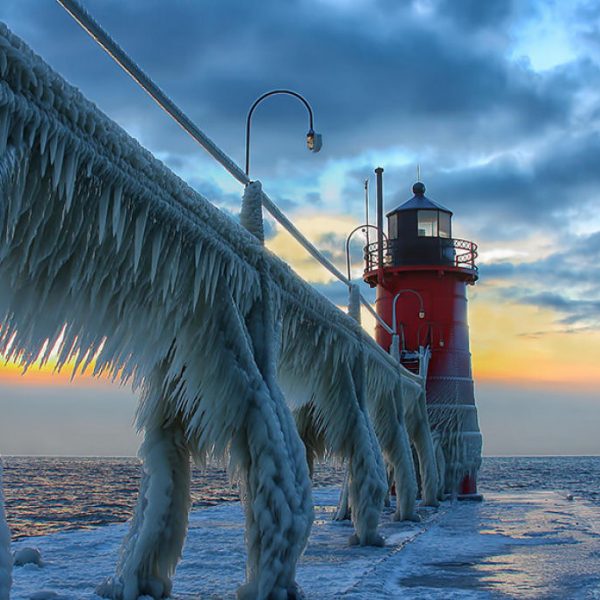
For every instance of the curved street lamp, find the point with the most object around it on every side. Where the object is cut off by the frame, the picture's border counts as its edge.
(395, 347)
(363, 228)
(314, 141)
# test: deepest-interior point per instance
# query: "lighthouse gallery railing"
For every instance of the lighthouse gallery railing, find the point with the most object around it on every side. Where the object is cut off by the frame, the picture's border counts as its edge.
(452, 252)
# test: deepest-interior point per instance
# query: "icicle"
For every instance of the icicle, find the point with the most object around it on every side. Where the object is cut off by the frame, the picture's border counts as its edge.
(197, 253)
(53, 145)
(103, 212)
(4, 121)
(70, 172)
(17, 133)
(31, 132)
(197, 283)
(44, 161)
(121, 225)
(140, 228)
(156, 250)
(57, 163)
(116, 211)
(176, 262)
(3, 64)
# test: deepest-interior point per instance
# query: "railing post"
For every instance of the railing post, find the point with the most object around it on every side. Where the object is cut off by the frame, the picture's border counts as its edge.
(251, 216)
(354, 302)
(395, 347)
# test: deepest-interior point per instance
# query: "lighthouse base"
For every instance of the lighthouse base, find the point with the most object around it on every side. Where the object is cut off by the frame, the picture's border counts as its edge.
(472, 497)
(468, 489)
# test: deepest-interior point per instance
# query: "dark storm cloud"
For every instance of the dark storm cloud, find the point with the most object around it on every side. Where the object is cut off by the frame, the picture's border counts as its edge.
(375, 76)
(440, 86)
(508, 196)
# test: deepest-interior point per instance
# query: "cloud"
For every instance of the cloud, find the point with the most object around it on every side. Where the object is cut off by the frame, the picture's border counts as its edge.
(511, 150)
(566, 282)
(474, 15)
(376, 77)
(575, 310)
(337, 292)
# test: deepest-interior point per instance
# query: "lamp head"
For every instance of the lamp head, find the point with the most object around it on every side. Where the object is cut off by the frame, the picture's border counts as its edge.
(314, 141)
(421, 314)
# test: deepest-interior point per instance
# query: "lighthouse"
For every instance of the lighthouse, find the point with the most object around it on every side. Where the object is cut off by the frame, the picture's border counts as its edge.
(421, 274)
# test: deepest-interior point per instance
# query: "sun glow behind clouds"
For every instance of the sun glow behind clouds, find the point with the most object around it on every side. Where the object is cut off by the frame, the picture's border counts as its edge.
(43, 375)
(47, 370)
(514, 343)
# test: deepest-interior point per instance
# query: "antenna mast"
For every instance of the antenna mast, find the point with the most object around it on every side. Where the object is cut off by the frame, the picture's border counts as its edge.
(367, 208)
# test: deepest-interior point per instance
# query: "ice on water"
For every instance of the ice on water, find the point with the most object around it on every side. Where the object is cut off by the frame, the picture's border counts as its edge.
(513, 545)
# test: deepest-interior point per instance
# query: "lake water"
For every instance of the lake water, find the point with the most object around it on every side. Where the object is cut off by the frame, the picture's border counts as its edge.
(48, 494)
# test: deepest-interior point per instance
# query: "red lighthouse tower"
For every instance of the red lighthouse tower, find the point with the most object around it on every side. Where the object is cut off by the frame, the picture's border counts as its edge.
(421, 274)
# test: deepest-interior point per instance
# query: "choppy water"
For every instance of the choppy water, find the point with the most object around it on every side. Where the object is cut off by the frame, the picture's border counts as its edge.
(47, 494)
(577, 475)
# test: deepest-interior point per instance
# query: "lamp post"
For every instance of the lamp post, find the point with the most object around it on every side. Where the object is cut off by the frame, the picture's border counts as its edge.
(364, 228)
(314, 141)
(395, 347)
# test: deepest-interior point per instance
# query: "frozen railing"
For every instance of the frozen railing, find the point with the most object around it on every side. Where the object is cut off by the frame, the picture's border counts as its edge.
(108, 257)
(87, 22)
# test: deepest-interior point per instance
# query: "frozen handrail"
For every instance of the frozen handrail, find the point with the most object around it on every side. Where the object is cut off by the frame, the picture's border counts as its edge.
(87, 22)
(368, 306)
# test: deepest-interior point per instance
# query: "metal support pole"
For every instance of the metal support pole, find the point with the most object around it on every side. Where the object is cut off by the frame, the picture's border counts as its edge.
(379, 173)
(367, 208)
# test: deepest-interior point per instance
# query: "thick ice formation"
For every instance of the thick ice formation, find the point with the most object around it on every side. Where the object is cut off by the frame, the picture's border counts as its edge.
(109, 257)
(399, 419)
(28, 556)
(6, 560)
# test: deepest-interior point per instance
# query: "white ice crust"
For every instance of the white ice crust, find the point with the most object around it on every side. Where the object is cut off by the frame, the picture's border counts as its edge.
(110, 259)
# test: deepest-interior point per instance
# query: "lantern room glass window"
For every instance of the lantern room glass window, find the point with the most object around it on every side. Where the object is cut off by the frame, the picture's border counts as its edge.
(444, 225)
(433, 223)
(393, 227)
(427, 223)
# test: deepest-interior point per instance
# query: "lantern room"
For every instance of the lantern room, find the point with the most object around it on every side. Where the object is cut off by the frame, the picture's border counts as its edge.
(420, 232)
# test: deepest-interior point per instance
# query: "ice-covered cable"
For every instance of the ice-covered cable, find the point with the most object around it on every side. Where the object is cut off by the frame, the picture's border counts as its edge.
(110, 259)
(86, 21)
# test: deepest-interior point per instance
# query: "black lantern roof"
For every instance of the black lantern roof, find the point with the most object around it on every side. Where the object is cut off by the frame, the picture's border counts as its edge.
(419, 202)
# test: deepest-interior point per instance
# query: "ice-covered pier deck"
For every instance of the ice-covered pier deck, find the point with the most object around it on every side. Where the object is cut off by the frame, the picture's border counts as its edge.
(517, 545)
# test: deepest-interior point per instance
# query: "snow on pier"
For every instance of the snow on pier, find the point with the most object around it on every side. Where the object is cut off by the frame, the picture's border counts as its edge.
(109, 259)
(534, 545)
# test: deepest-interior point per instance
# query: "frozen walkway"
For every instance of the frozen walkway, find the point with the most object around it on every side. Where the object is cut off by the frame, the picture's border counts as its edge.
(534, 545)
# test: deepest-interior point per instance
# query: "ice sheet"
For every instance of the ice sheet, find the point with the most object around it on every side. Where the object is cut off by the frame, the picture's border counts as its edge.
(530, 545)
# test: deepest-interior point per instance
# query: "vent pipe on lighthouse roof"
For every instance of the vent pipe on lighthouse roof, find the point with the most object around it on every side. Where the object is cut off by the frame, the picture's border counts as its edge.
(379, 173)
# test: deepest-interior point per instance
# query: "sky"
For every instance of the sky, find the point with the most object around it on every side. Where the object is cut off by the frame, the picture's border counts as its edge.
(497, 102)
